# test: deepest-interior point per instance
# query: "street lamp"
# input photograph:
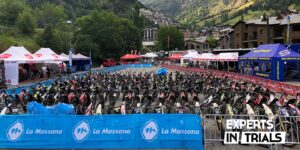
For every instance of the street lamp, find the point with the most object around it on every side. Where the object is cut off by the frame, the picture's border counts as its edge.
(70, 45)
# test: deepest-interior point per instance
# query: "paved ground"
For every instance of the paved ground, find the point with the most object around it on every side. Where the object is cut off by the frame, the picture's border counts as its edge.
(211, 127)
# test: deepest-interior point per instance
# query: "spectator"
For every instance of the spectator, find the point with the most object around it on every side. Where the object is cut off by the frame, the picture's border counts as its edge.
(62, 67)
(44, 71)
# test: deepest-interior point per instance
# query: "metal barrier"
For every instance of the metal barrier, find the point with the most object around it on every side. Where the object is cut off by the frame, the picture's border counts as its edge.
(290, 125)
(214, 126)
(273, 85)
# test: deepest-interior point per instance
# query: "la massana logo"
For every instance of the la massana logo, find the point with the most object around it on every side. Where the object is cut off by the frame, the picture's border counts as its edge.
(150, 131)
(81, 131)
(15, 131)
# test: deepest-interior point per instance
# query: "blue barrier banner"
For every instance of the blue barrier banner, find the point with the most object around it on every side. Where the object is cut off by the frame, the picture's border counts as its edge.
(107, 131)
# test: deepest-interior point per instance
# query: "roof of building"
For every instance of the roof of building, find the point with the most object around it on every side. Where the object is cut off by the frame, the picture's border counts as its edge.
(294, 19)
(201, 39)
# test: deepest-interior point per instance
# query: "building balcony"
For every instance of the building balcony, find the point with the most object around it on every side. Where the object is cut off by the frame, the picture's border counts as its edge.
(250, 39)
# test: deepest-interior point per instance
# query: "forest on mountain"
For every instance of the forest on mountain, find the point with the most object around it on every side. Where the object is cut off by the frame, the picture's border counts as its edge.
(109, 28)
(199, 13)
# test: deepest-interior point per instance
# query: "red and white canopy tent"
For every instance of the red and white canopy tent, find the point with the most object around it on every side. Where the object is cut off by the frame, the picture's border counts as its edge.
(49, 56)
(14, 56)
(206, 57)
(228, 57)
(130, 58)
(176, 56)
(222, 57)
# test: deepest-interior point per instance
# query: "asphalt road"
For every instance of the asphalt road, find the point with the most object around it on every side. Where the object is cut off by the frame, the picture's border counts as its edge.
(210, 130)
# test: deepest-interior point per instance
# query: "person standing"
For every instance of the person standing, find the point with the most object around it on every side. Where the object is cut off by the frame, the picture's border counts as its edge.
(44, 71)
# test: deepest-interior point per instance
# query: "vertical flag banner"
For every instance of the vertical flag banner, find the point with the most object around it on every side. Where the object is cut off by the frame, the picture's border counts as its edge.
(91, 62)
(70, 57)
(288, 29)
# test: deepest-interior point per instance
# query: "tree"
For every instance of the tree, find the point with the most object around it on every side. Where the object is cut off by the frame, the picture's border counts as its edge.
(213, 43)
(55, 39)
(26, 23)
(170, 38)
(106, 35)
(48, 38)
(50, 15)
(10, 10)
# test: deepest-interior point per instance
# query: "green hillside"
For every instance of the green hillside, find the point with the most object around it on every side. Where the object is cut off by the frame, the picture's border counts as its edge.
(218, 12)
(54, 24)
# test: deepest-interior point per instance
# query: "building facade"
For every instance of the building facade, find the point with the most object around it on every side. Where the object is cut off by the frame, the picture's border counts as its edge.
(284, 29)
(200, 44)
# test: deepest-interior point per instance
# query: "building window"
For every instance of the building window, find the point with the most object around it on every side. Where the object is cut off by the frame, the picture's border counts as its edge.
(237, 45)
(296, 27)
(261, 31)
(255, 44)
(237, 35)
(255, 35)
(296, 41)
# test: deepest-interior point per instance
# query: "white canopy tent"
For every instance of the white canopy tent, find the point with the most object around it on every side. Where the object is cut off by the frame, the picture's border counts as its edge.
(49, 56)
(150, 55)
(227, 57)
(206, 57)
(12, 58)
(192, 54)
(64, 55)
(80, 57)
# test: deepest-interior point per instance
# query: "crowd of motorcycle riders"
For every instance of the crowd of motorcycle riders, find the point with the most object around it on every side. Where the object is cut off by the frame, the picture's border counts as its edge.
(145, 92)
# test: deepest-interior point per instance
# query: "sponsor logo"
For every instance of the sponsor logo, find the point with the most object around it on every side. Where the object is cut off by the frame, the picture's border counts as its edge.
(150, 131)
(263, 135)
(81, 131)
(15, 131)
(262, 51)
(284, 52)
(4, 56)
(55, 56)
(38, 55)
(29, 56)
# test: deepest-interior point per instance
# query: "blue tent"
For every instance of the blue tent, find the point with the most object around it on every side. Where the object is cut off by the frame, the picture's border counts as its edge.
(268, 61)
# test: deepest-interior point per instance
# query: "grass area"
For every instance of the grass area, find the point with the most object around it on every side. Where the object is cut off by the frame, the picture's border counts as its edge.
(246, 5)
(249, 16)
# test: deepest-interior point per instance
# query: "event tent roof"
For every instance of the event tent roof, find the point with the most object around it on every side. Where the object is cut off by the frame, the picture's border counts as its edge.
(191, 55)
(64, 55)
(270, 51)
(80, 57)
(75, 57)
(48, 55)
(130, 56)
(19, 55)
(175, 56)
(227, 57)
(206, 56)
(150, 55)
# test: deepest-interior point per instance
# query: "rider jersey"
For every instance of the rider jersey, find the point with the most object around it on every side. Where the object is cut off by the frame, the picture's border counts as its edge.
(70, 97)
(83, 98)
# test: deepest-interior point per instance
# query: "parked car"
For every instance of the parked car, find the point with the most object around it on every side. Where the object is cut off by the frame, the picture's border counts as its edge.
(109, 62)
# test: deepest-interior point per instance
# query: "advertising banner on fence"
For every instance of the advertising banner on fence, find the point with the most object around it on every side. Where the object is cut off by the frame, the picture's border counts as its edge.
(108, 131)
(11, 73)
